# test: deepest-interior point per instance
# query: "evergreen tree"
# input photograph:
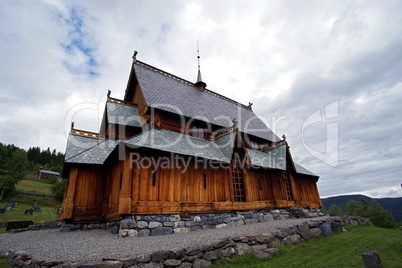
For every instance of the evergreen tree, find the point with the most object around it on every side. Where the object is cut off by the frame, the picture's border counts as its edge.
(13, 167)
(372, 210)
(334, 210)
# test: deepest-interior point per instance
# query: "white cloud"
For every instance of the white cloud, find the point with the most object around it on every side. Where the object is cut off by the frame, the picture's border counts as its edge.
(289, 58)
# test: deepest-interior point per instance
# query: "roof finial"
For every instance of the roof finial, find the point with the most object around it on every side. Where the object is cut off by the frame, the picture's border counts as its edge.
(135, 55)
(200, 84)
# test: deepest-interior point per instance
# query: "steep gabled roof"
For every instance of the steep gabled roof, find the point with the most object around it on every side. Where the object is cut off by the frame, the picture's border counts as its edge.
(169, 93)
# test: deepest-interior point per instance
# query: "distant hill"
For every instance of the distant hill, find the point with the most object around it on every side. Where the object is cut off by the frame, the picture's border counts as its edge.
(393, 205)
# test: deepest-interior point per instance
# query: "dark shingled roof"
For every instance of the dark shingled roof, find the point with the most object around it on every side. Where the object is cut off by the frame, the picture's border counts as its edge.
(173, 142)
(302, 170)
(226, 143)
(84, 150)
(165, 92)
(122, 114)
(274, 158)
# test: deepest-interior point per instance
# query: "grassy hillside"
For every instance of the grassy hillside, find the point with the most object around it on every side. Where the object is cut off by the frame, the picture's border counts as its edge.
(34, 186)
(340, 250)
(393, 205)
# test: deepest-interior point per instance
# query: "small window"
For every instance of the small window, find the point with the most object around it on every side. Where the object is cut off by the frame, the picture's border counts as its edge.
(205, 181)
(259, 184)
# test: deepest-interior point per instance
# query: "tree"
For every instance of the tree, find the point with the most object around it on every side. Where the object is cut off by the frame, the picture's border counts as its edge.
(13, 167)
(334, 210)
(58, 189)
(372, 210)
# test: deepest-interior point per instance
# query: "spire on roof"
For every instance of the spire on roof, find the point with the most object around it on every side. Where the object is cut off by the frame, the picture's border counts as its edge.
(199, 84)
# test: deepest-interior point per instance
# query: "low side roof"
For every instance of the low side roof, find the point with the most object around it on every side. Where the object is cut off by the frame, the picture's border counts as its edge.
(302, 170)
(122, 114)
(82, 150)
(173, 142)
(165, 92)
(226, 143)
(274, 158)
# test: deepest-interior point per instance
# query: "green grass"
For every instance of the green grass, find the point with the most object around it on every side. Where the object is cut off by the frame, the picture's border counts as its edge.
(4, 262)
(34, 186)
(340, 250)
(17, 213)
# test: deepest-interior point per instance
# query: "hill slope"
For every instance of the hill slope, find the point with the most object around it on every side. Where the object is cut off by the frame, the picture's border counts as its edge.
(393, 205)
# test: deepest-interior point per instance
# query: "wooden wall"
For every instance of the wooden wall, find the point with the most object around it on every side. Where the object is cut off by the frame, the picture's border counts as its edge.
(84, 194)
(96, 194)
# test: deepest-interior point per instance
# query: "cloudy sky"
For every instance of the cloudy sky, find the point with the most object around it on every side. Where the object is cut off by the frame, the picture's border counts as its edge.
(327, 74)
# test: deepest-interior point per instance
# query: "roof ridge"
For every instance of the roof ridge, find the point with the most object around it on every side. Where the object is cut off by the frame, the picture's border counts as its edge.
(191, 84)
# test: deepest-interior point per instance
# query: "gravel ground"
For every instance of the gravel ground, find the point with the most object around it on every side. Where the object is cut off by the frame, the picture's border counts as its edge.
(93, 245)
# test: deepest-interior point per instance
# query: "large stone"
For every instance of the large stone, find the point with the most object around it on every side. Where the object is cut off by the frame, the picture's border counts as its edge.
(210, 255)
(326, 229)
(180, 230)
(371, 260)
(172, 263)
(160, 255)
(221, 243)
(179, 224)
(128, 224)
(304, 231)
(142, 224)
(316, 232)
(220, 226)
(258, 247)
(161, 231)
(168, 224)
(271, 251)
(177, 253)
(154, 224)
(127, 232)
(192, 258)
(185, 265)
(193, 250)
(292, 239)
(242, 248)
(143, 232)
(336, 226)
(201, 263)
(228, 252)
(313, 224)
(264, 238)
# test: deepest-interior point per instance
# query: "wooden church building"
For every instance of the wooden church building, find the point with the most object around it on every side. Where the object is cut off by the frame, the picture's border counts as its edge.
(175, 147)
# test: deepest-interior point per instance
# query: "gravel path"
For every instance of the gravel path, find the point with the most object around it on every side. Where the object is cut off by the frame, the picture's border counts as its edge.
(93, 245)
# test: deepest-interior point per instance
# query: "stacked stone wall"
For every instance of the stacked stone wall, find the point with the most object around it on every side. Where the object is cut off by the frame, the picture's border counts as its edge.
(150, 225)
(262, 246)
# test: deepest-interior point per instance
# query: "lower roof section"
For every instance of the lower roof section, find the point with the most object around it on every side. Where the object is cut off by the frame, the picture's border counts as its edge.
(87, 150)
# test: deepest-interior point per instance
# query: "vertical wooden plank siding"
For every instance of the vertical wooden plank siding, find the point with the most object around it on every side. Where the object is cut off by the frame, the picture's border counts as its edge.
(68, 204)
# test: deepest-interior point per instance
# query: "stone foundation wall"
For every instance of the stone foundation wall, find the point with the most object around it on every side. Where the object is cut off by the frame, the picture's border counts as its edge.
(146, 225)
(262, 246)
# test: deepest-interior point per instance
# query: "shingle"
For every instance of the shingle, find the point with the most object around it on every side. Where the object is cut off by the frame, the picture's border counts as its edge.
(302, 170)
(83, 151)
(122, 114)
(226, 144)
(274, 158)
(170, 94)
(173, 142)
(77, 144)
